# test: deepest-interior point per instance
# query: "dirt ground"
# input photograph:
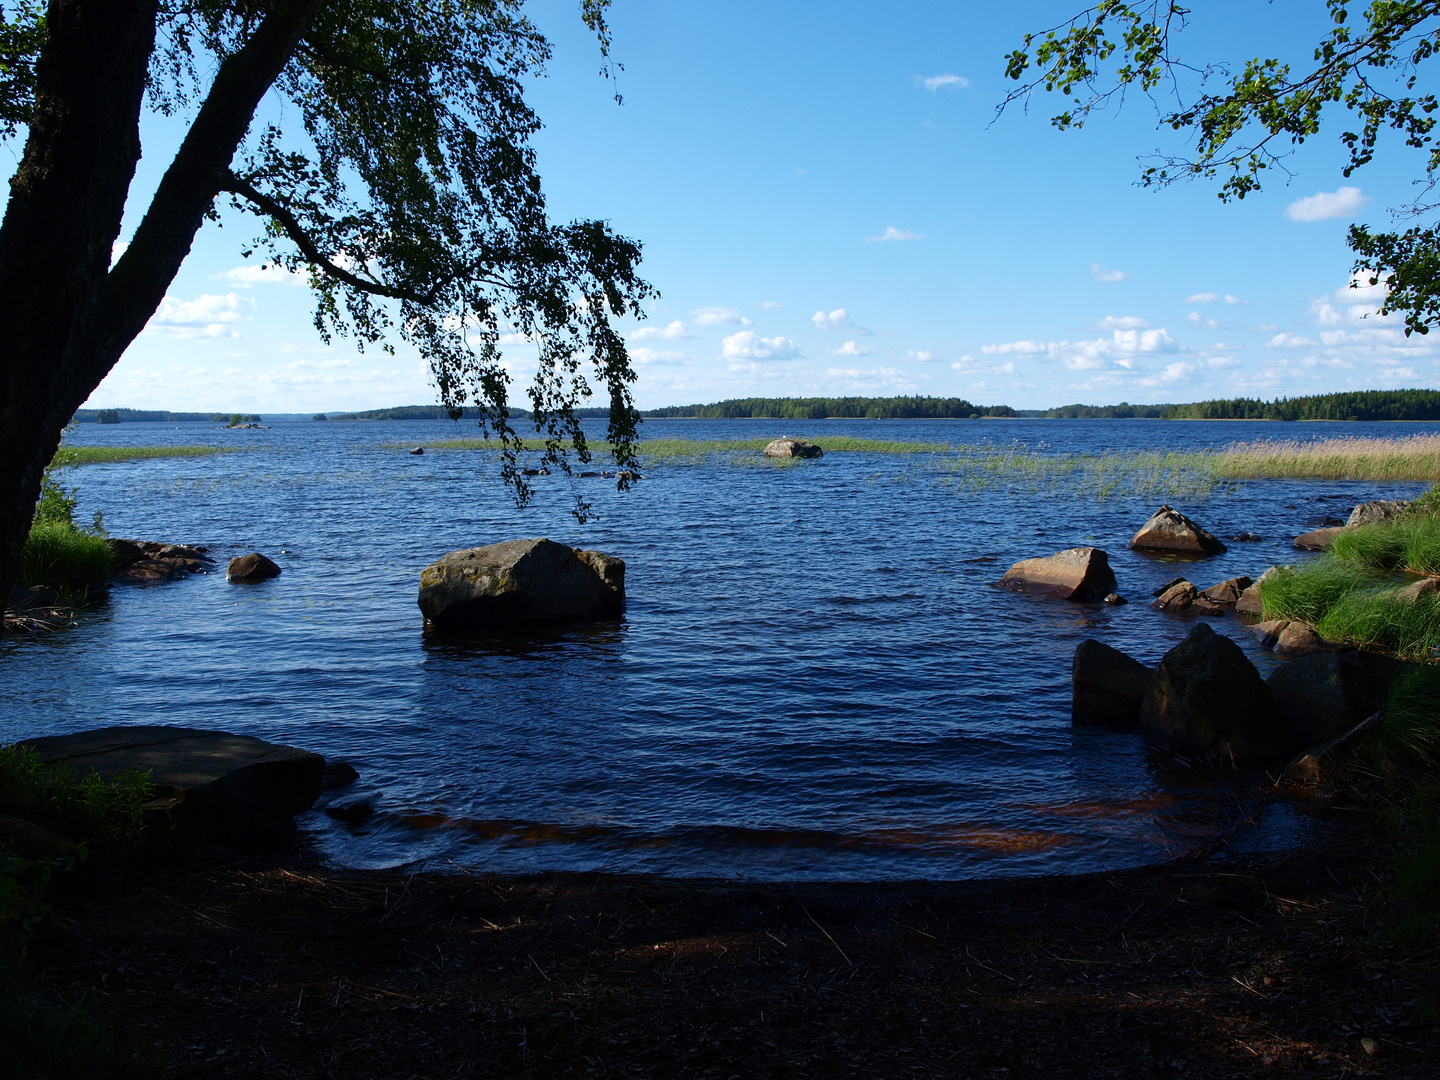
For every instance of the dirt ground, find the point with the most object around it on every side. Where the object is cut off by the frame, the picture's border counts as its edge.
(1275, 965)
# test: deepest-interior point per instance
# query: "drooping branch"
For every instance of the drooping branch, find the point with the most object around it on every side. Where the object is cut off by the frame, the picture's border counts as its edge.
(280, 213)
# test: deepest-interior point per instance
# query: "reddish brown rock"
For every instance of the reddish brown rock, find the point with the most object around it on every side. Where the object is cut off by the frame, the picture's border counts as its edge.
(1269, 631)
(1318, 540)
(1300, 639)
(1228, 592)
(1081, 574)
(1177, 597)
(1170, 530)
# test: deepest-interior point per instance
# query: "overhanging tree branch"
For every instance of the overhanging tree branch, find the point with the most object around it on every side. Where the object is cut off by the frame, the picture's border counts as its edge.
(280, 213)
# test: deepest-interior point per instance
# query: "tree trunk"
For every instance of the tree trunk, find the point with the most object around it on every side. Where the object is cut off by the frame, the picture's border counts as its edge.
(67, 316)
(66, 203)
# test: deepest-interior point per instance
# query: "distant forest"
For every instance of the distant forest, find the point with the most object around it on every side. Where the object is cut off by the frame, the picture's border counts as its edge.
(1351, 405)
(852, 408)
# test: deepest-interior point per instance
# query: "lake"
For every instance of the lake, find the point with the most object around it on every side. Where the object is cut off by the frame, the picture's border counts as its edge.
(814, 677)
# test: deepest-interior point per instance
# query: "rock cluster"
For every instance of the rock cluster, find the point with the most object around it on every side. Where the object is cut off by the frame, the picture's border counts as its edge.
(1206, 696)
(143, 562)
(499, 587)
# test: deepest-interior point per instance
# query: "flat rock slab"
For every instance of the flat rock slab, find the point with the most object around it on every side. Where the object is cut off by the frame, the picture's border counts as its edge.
(1318, 539)
(1081, 574)
(237, 789)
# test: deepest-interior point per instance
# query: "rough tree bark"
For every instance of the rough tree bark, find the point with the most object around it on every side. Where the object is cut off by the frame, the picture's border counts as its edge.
(66, 315)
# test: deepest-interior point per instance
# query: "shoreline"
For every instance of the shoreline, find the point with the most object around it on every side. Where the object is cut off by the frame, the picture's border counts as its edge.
(1240, 966)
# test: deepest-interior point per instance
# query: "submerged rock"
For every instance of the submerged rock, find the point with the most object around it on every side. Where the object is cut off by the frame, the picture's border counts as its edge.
(241, 791)
(1170, 530)
(252, 567)
(792, 448)
(1206, 696)
(1081, 574)
(1106, 686)
(339, 774)
(500, 586)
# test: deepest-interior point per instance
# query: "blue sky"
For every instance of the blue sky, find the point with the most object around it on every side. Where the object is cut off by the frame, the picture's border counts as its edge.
(829, 206)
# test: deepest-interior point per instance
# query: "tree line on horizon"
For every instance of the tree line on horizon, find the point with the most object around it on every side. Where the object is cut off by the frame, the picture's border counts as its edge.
(1349, 405)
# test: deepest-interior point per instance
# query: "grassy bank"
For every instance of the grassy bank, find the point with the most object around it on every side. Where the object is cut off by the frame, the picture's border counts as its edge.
(68, 456)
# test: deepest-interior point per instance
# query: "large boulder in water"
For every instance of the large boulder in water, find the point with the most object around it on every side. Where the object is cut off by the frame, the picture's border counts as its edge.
(792, 448)
(252, 567)
(1106, 686)
(1325, 694)
(518, 582)
(1170, 530)
(240, 790)
(1081, 573)
(1205, 695)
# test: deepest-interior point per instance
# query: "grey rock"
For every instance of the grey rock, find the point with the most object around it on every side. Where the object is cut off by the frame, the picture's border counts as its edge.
(1206, 696)
(416, 451)
(1368, 513)
(1106, 686)
(1170, 530)
(1114, 599)
(239, 790)
(252, 567)
(1247, 538)
(519, 582)
(792, 448)
(1082, 574)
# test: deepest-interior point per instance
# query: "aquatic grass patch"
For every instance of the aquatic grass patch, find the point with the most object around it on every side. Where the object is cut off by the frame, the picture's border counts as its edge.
(1104, 475)
(1411, 542)
(59, 555)
(1377, 618)
(71, 456)
(1413, 457)
(1308, 592)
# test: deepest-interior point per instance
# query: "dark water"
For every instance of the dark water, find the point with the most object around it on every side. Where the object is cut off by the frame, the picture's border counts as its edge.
(813, 678)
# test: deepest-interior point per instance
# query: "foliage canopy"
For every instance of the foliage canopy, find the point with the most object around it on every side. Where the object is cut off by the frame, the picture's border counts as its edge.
(1245, 122)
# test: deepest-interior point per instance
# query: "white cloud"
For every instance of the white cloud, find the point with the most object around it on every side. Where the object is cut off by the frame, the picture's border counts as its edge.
(892, 233)
(1345, 203)
(1121, 350)
(1199, 320)
(719, 316)
(850, 349)
(643, 356)
(839, 319)
(674, 331)
(264, 274)
(878, 378)
(968, 365)
(206, 316)
(1235, 301)
(1103, 273)
(1122, 322)
(771, 304)
(1288, 341)
(923, 356)
(949, 82)
(1203, 298)
(748, 345)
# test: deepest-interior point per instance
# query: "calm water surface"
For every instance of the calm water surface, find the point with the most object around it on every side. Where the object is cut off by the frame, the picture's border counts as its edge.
(814, 676)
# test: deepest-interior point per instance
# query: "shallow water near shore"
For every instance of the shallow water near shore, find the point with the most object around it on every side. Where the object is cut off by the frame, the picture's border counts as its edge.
(814, 676)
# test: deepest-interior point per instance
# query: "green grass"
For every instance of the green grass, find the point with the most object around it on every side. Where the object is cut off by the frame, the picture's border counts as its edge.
(1355, 604)
(105, 815)
(61, 556)
(1410, 543)
(93, 455)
